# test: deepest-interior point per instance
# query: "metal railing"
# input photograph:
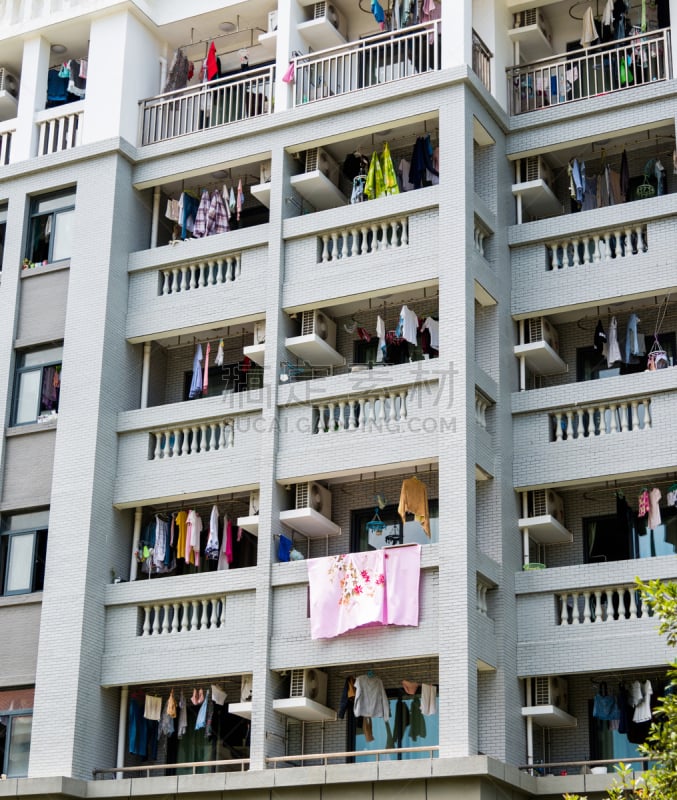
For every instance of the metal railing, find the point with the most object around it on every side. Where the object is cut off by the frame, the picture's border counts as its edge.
(562, 767)
(324, 758)
(481, 60)
(591, 71)
(133, 772)
(373, 61)
(209, 105)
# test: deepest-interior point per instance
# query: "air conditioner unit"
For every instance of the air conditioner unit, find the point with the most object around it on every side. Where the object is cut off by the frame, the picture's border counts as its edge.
(532, 16)
(540, 330)
(309, 683)
(260, 331)
(550, 691)
(254, 503)
(313, 495)
(246, 689)
(265, 171)
(272, 21)
(535, 168)
(319, 159)
(8, 83)
(543, 502)
(328, 11)
(317, 322)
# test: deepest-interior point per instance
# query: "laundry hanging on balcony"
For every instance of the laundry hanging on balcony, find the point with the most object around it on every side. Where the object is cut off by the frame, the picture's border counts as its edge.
(356, 590)
(414, 500)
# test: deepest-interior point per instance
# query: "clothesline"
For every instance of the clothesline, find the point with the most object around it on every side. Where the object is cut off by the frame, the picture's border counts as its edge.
(651, 481)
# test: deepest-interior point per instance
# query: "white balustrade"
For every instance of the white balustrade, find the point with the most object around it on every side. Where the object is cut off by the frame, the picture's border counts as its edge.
(481, 406)
(601, 419)
(189, 439)
(602, 605)
(60, 132)
(5, 146)
(200, 274)
(180, 616)
(482, 589)
(597, 248)
(367, 413)
(479, 237)
(363, 238)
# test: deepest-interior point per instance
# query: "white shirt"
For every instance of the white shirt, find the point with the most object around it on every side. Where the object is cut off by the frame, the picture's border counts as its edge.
(433, 326)
(371, 699)
(643, 708)
(409, 325)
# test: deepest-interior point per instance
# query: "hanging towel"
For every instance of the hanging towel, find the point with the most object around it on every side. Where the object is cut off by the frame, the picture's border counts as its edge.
(205, 371)
(201, 720)
(654, 511)
(196, 382)
(402, 575)
(218, 361)
(153, 707)
(381, 334)
(217, 215)
(428, 699)
(182, 725)
(212, 67)
(200, 224)
(599, 339)
(407, 327)
(284, 548)
(218, 695)
(388, 169)
(374, 186)
(589, 33)
(288, 76)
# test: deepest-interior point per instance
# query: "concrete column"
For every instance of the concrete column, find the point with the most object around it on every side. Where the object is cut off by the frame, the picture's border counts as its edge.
(290, 14)
(456, 33)
(122, 728)
(145, 374)
(32, 97)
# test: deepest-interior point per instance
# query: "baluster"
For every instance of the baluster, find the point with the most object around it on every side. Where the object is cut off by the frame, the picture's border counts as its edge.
(604, 248)
(381, 416)
(332, 419)
(362, 421)
(185, 616)
(574, 253)
(618, 250)
(403, 404)
(194, 616)
(588, 245)
(321, 421)
(571, 434)
(576, 614)
(183, 279)
(175, 618)
(342, 419)
(165, 618)
(586, 608)
(629, 249)
(213, 622)
(375, 243)
(599, 614)
(623, 409)
(194, 440)
(193, 275)
(165, 282)
(553, 255)
(647, 414)
(176, 280)
(558, 426)
(223, 611)
(238, 267)
(633, 603)
(210, 277)
(384, 236)
(202, 440)
(596, 248)
(354, 241)
(145, 630)
(221, 271)
(352, 423)
(229, 430)
(334, 245)
(342, 244)
(404, 238)
(613, 418)
(563, 609)
(324, 257)
(185, 442)
(157, 452)
(204, 615)
(392, 397)
(156, 620)
(364, 240)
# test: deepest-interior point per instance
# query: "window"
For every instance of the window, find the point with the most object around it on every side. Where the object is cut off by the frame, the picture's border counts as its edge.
(608, 538)
(16, 717)
(407, 727)
(3, 231)
(590, 365)
(50, 233)
(37, 385)
(394, 532)
(23, 550)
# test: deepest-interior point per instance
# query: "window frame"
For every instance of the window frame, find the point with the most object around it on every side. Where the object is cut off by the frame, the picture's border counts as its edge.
(11, 716)
(22, 370)
(34, 215)
(38, 560)
(360, 515)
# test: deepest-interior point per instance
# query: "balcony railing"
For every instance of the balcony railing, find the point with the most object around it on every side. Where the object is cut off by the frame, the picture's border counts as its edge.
(373, 61)
(604, 605)
(203, 614)
(596, 248)
(481, 60)
(6, 144)
(369, 412)
(209, 105)
(591, 71)
(193, 439)
(359, 240)
(199, 274)
(618, 416)
(60, 128)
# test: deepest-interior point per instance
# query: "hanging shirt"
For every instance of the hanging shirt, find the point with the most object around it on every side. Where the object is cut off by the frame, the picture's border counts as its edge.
(371, 699)
(181, 520)
(196, 382)
(414, 499)
(217, 215)
(433, 327)
(408, 325)
(381, 334)
(205, 372)
(212, 546)
(388, 170)
(193, 531)
(613, 350)
(200, 225)
(654, 511)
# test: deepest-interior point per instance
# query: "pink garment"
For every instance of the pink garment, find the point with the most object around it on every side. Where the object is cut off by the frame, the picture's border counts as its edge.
(205, 371)
(643, 509)
(654, 511)
(239, 202)
(379, 587)
(226, 555)
(288, 76)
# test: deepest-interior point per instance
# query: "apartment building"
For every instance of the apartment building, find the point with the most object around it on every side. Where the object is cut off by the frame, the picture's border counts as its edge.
(212, 218)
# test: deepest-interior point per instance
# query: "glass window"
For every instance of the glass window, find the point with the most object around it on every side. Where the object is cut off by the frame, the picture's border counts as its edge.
(394, 532)
(38, 385)
(16, 717)
(610, 538)
(3, 231)
(407, 727)
(50, 233)
(23, 550)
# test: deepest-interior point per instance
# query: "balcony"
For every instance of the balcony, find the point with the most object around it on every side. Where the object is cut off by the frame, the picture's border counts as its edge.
(373, 61)
(590, 72)
(220, 102)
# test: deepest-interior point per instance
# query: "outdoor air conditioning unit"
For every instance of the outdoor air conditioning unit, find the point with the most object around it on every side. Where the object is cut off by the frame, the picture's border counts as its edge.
(8, 83)
(309, 683)
(246, 689)
(319, 159)
(535, 168)
(253, 503)
(532, 16)
(313, 495)
(328, 11)
(272, 21)
(550, 691)
(540, 330)
(265, 171)
(316, 322)
(545, 502)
